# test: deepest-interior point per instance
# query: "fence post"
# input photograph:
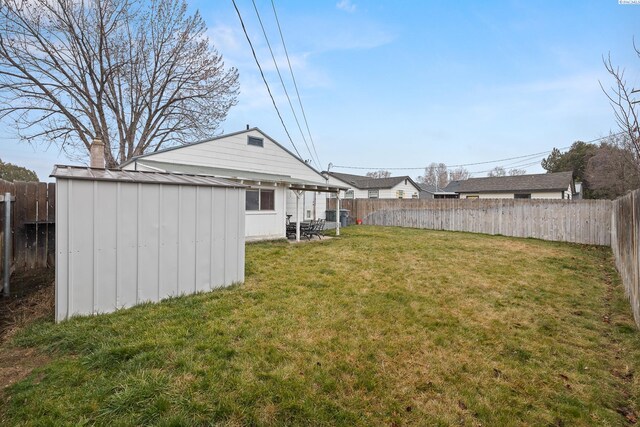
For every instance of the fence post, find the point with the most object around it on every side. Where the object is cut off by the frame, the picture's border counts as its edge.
(7, 244)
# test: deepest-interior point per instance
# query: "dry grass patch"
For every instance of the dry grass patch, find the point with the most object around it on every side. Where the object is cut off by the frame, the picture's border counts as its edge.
(384, 326)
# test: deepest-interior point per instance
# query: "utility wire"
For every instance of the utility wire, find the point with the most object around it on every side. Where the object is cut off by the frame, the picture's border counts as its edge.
(304, 115)
(275, 63)
(476, 163)
(244, 29)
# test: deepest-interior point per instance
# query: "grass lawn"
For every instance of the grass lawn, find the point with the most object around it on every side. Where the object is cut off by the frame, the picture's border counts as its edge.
(383, 326)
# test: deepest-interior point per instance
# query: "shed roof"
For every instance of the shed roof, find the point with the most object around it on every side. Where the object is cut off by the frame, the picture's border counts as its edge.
(116, 175)
(366, 182)
(557, 181)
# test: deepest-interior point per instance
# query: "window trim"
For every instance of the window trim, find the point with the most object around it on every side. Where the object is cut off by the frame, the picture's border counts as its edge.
(374, 191)
(260, 191)
(350, 194)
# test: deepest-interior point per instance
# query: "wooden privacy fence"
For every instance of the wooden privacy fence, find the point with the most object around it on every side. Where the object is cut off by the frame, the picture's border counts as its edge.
(625, 238)
(32, 223)
(583, 221)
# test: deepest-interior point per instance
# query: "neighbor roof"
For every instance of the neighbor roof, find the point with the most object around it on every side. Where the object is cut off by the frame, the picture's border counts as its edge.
(366, 182)
(557, 181)
(428, 188)
(93, 174)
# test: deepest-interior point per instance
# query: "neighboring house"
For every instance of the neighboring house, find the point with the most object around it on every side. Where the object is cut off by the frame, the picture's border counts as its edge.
(364, 187)
(276, 177)
(557, 185)
(428, 191)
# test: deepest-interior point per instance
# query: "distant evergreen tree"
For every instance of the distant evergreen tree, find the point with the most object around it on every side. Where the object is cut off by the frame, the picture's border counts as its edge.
(575, 160)
(10, 172)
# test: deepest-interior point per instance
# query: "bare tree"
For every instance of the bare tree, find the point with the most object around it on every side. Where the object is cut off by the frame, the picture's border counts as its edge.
(497, 171)
(459, 174)
(625, 107)
(141, 75)
(379, 174)
(436, 174)
(612, 171)
(516, 171)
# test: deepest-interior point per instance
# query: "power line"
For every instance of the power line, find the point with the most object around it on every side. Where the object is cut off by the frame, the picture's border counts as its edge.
(304, 115)
(263, 77)
(275, 63)
(454, 166)
(518, 166)
(476, 163)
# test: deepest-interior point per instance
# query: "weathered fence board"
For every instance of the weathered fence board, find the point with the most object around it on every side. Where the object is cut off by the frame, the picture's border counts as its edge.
(625, 233)
(580, 221)
(32, 225)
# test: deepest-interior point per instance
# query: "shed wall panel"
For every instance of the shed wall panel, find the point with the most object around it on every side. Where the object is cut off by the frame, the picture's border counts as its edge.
(106, 243)
(186, 241)
(62, 250)
(81, 240)
(127, 232)
(148, 242)
(218, 239)
(203, 247)
(169, 224)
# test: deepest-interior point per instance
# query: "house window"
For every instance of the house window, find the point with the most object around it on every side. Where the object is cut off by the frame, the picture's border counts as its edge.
(400, 194)
(374, 194)
(522, 196)
(257, 142)
(472, 197)
(348, 194)
(414, 196)
(260, 200)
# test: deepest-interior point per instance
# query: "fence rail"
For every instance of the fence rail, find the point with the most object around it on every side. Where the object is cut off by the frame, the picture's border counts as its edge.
(584, 221)
(33, 225)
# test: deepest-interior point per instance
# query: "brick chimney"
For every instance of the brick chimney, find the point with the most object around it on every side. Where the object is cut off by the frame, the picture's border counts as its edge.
(97, 153)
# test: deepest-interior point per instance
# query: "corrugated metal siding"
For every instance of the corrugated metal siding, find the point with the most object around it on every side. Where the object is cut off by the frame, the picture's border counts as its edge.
(119, 244)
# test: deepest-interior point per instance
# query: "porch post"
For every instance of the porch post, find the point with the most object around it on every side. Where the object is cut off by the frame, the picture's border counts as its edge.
(298, 194)
(338, 213)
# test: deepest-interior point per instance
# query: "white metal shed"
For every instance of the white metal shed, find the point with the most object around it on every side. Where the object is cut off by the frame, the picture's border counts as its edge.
(126, 237)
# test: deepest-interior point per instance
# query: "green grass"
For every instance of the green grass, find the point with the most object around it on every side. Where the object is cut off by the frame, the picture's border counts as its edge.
(383, 326)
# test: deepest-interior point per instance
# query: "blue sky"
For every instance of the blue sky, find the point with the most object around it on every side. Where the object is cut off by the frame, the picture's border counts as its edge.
(403, 84)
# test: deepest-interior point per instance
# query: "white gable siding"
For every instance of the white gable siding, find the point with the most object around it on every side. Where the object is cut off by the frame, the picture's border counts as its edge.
(233, 152)
(408, 188)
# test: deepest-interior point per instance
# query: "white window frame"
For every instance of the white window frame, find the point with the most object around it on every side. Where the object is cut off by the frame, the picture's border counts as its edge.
(374, 194)
(260, 190)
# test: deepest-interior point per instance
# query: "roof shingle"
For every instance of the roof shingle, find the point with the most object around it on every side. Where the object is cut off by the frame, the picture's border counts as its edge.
(557, 181)
(366, 182)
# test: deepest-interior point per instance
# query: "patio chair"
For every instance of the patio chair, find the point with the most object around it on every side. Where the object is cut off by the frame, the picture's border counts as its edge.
(307, 229)
(318, 229)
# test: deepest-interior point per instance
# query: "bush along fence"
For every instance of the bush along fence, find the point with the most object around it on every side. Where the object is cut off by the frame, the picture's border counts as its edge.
(625, 238)
(584, 221)
(32, 224)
